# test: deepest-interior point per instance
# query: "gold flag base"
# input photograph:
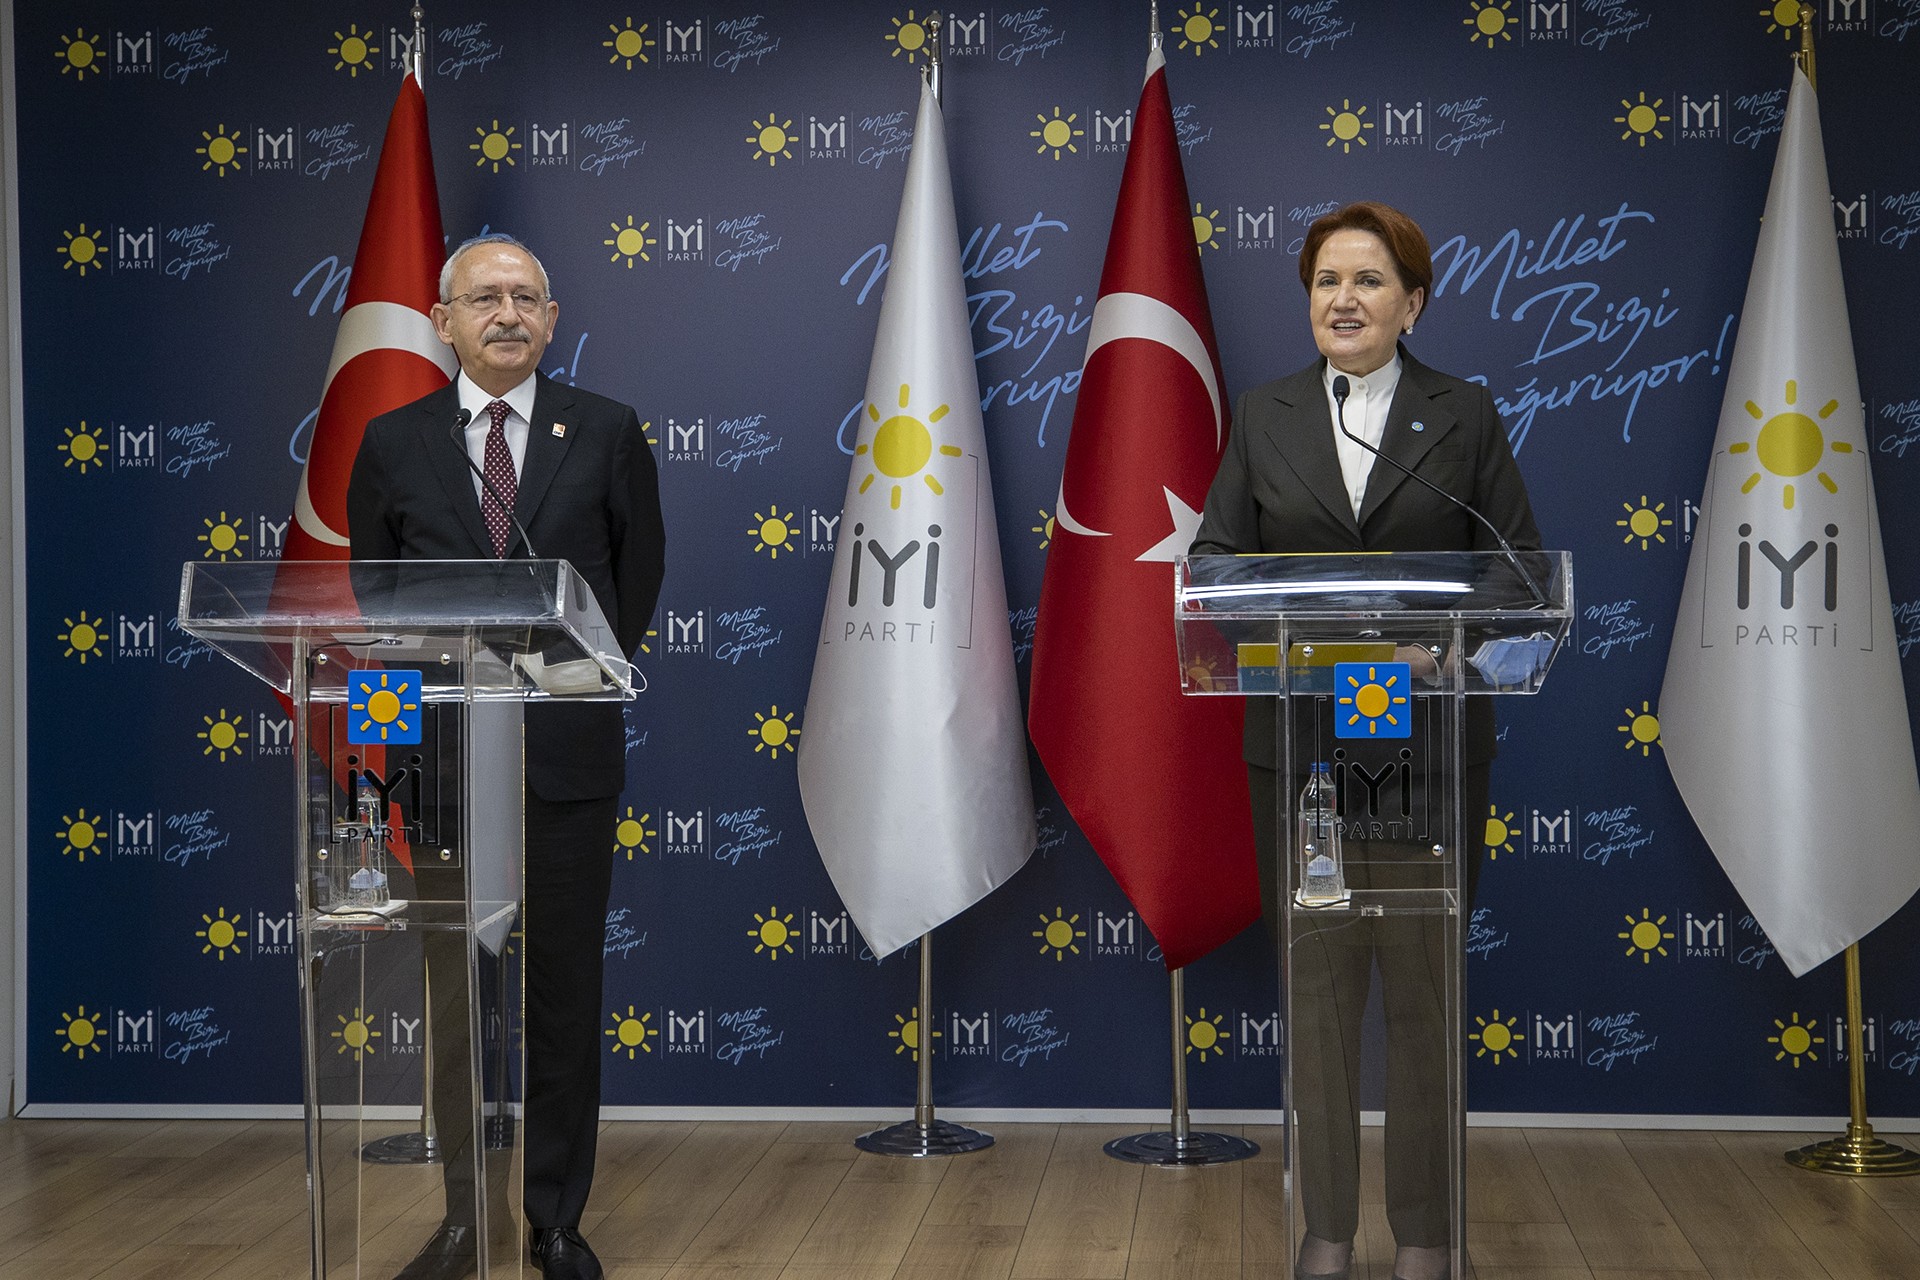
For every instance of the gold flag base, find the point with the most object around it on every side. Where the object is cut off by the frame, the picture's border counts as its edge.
(1859, 1155)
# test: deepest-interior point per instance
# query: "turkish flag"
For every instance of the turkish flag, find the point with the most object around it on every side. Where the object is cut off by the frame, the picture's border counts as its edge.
(1153, 778)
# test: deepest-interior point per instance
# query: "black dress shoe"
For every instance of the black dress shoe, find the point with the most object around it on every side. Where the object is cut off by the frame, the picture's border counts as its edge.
(562, 1253)
(448, 1254)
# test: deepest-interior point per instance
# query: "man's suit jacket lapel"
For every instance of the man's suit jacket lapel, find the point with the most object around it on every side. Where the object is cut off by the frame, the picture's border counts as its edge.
(1418, 402)
(552, 432)
(1301, 432)
(448, 451)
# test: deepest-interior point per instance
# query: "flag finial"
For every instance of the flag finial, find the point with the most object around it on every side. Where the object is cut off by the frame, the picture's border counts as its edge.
(1153, 23)
(1804, 55)
(935, 63)
(420, 45)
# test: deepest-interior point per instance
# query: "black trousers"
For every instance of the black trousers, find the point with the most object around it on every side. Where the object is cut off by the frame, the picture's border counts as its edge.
(1332, 962)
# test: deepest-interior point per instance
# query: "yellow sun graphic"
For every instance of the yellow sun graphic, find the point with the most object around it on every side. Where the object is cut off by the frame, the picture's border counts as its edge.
(80, 53)
(630, 1033)
(1197, 30)
(908, 37)
(1057, 133)
(1496, 1036)
(907, 1032)
(1059, 933)
(1783, 16)
(1646, 936)
(85, 447)
(1642, 729)
(1644, 522)
(1789, 444)
(356, 1034)
(386, 707)
(902, 446)
(223, 538)
(1347, 128)
(629, 43)
(1206, 228)
(772, 933)
(354, 50)
(221, 149)
(772, 532)
(83, 637)
(1642, 118)
(81, 1033)
(1500, 832)
(221, 934)
(1489, 23)
(496, 146)
(1796, 1040)
(1373, 701)
(633, 833)
(1044, 529)
(770, 140)
(774, 732)
(84, 249)
(651, 633)
(630, 242)
(222, 736)
(1205, 1035)
(82, 834)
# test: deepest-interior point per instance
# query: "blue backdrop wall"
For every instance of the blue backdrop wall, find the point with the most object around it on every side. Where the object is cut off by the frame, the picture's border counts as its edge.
(712, 189)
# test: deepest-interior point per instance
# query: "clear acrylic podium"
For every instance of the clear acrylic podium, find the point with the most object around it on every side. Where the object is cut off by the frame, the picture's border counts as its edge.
(1371, 662)
(407, 682)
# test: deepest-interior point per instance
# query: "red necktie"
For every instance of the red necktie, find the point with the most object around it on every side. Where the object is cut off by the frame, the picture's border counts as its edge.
(498, 468)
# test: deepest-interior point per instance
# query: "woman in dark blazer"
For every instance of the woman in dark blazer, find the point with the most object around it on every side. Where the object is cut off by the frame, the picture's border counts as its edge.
(1291, 483)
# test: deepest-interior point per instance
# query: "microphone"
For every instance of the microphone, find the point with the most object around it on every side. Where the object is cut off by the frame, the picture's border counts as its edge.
(1341, 388)
(455, 433)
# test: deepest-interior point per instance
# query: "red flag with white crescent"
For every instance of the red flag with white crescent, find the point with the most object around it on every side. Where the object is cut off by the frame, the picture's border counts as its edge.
(1153, 778)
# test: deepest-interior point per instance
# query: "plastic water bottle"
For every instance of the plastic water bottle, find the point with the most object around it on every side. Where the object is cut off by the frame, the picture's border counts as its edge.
(1320, 868)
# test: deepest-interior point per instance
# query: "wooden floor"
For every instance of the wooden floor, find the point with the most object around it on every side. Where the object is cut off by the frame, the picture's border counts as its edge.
(685, 1201)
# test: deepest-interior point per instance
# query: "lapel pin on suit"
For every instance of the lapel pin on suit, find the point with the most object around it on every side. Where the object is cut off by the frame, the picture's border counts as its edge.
(1419, 426)
(560, 431)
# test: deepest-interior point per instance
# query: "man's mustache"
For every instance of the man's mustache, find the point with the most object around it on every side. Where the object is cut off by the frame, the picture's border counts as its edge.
(509, 333)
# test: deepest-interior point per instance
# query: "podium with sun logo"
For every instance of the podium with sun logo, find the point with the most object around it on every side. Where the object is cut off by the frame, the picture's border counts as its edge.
(1369, 735)
(407, 682)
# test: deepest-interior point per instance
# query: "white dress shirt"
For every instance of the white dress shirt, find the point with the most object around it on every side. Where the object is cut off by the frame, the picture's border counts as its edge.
(475, 402)
(1368, 400)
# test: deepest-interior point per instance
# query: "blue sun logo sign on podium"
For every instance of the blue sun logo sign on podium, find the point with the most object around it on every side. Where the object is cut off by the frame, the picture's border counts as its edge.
(383, 706)
(1371, 700)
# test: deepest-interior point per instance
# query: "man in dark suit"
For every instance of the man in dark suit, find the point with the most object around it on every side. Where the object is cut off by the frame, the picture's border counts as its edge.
(581, 481)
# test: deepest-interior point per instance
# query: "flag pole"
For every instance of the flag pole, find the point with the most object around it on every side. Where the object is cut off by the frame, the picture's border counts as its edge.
(924, 1135)
(1858, 1153)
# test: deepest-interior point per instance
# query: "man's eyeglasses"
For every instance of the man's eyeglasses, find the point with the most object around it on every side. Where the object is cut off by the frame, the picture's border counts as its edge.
(487, 302)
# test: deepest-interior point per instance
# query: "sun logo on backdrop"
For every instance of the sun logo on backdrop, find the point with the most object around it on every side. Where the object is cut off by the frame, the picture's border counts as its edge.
(1646, 936)
(772, 532)
(1644, 522)
(496, 146)
(1495, 1036)
(908, 37)
(1044, 529)
(1500, 833)
(221, 933)
(1206, 228)
(630, 1033)
(633, 833)
(1056, 133)
(902, 446)
(1796, 1040)
(354, 50)
(222, 736)
(1490, 23)
(1059, 933)
(771, 140)
(1783, 16)
(1642, 729)
(1373, 700)
(1347, 128)
(356, 1034)
(222, 538)
(383, 706)
(82, 834)
(629, 43)
(1642, 118)
(221, 149)
(81, 1033)
(1789, 444)
(774, 733)
(80, 53)
(85, 250)
(1197, 30)
(772, 933)
(907, 1032)
(630, 242)
(83, 638)
(85, 447)
(1206, 1035)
